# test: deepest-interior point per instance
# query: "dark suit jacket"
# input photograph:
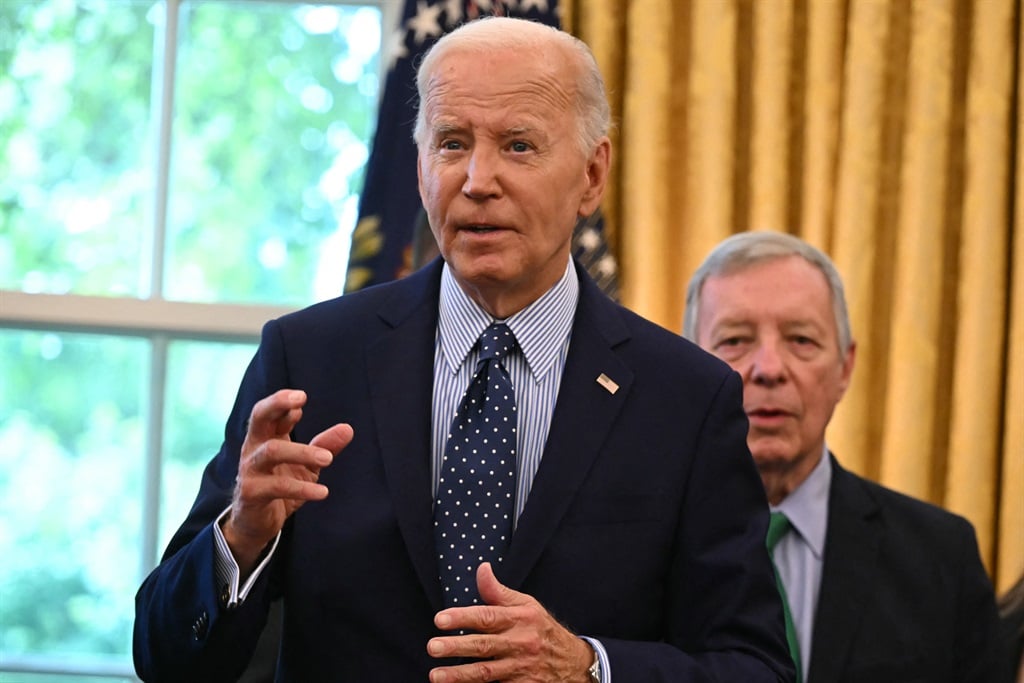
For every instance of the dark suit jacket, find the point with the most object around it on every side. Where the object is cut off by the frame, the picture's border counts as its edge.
(904, 595)
(644, 527)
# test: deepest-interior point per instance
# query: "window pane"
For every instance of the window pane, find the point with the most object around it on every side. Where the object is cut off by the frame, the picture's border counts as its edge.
(71, 482)
(74, 116)
(275, 105)
(202, 380)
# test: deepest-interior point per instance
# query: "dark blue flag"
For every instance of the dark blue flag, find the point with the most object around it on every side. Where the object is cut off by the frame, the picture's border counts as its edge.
(389, 206)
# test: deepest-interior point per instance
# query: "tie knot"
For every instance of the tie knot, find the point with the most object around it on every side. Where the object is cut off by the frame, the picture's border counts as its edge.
(496, 341)
(778, 525)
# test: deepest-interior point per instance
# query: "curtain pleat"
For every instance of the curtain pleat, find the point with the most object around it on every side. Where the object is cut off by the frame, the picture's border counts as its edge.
(916, 365)
(980, 355)
(646, 197)
(771, 120)
(855, 248)
(1010, 530)
(825, 39)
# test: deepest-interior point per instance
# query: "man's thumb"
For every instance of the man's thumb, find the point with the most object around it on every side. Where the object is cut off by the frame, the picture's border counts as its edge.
(492, 591)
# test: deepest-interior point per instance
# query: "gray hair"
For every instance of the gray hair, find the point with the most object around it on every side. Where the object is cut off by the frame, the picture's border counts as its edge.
(745, 249)
(497, 33)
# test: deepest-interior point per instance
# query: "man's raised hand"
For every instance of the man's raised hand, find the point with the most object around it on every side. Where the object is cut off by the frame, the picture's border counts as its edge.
(276, 475)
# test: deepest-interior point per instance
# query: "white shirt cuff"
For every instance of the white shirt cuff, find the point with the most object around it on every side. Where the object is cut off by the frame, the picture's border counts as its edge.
(602, 656)
(227, 570)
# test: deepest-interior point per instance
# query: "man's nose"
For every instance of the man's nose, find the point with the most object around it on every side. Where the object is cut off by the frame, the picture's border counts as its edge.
(767, 364)
(482, 174)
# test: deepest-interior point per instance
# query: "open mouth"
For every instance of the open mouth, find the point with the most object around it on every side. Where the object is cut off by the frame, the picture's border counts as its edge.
(767, 413)
(481, 229)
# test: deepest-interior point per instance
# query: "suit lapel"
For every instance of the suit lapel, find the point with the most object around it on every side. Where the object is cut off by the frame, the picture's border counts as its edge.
(583, 415)
(850, 569)
(401, 367)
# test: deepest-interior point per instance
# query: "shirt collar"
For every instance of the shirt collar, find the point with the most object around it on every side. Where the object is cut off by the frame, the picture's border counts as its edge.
(807, 506)
(541, 329)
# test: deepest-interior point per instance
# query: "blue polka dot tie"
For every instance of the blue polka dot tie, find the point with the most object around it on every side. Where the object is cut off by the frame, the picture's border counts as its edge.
(476, 493)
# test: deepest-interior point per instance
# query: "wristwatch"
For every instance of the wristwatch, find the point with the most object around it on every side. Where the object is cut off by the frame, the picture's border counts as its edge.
(595, 669)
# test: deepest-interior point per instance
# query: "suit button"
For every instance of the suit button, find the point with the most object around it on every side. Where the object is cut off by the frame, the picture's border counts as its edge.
(200, 625)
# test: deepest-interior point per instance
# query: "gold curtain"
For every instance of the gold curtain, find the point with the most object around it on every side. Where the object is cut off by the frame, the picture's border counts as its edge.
(886, 132)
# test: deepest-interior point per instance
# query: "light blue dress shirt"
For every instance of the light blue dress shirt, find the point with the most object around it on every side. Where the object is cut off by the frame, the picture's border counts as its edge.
(800, 554)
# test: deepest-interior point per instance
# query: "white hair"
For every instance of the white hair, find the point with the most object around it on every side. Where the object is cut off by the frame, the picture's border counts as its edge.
(498, 33)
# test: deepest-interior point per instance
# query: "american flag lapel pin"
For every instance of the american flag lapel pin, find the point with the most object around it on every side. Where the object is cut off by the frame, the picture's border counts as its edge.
(608, 383)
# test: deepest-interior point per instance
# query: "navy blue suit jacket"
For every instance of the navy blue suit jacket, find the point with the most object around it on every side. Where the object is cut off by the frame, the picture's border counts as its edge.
(904, 595)
(645, 525)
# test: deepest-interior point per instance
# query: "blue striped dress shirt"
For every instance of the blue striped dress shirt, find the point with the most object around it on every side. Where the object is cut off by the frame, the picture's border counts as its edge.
(542, 332)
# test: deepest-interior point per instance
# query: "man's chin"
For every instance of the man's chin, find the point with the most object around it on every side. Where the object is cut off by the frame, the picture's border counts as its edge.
(774, 457)
(481, 269)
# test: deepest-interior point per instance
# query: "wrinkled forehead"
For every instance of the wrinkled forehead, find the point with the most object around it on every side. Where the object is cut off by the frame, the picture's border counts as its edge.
(769, 286)
(465, 75)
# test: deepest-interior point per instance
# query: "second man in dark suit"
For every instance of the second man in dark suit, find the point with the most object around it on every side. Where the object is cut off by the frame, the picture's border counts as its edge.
(881, 588)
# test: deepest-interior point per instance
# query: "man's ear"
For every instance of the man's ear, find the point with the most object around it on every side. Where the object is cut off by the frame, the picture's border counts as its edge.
(419, 178)
(847, 371)
(596, 174)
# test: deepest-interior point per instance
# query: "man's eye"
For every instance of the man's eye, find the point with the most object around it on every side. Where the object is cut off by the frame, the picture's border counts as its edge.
(519, 147)
(451, 144)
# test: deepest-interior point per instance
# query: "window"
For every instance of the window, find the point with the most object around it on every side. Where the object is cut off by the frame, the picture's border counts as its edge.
(172, 175)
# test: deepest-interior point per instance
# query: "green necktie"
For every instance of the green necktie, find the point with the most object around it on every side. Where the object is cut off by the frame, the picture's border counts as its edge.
(777, 528)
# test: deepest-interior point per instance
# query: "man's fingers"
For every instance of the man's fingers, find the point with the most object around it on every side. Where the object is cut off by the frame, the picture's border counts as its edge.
(319, 453)
(490, 617)
(508, 636)
(485, 670)
(334, 438)
(276, 452)
(274, 416)
(281, 487)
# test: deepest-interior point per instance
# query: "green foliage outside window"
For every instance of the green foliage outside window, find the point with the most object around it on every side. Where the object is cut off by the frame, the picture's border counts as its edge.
(74, 160)
(273, 108)
(71, 474)
(270, 143)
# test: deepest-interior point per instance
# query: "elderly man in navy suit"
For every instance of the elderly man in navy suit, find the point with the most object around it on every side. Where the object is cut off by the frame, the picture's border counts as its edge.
(611, 528)
(880, 587)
